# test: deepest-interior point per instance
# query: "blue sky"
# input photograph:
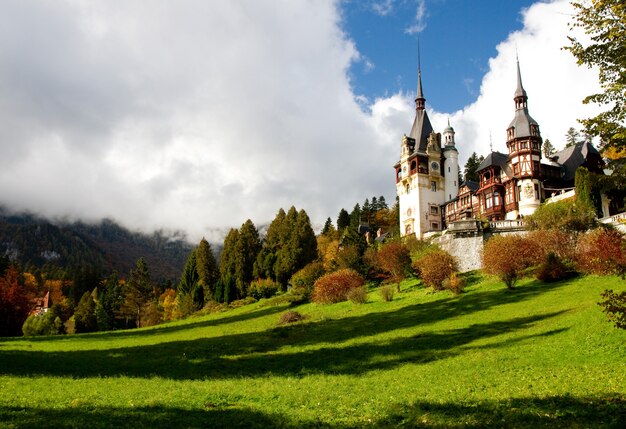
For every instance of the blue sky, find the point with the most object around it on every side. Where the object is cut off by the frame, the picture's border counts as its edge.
(195, 115)
(457, 40)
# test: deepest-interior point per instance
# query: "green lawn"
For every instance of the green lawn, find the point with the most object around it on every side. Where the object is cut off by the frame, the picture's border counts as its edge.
(542, 355)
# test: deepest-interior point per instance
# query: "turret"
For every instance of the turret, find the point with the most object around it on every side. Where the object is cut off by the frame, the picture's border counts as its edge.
(450, 164)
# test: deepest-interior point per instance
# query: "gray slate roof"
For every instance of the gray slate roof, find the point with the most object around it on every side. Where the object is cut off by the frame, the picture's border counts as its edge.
(573, 157)
(420, 130)
(494, 158)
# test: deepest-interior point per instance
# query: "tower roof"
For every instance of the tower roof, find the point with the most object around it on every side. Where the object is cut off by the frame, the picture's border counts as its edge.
(520, 91)
(448, 128)
(522, 120)
(421, 128)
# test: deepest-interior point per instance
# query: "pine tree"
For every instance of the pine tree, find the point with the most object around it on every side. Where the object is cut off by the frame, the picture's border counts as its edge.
(208, 271)
(343, 220)
(190, 281)
(328, 227)
(382, 204)
(246, 251)
(355, 216)
(85, 314)
(471, 167)
(375, 205)
(227, 260)
(548, 149)
(286, 257)
(572, 136)
(136, 292)
(366, 211)
(305, 241)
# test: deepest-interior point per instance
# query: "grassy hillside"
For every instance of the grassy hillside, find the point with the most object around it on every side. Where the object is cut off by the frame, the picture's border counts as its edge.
(542, 355)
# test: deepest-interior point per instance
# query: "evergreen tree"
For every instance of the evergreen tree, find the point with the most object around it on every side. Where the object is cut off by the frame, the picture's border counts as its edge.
(548, 149)
(366, 211)
(85, 314)
(303, 241)
(382, 204)
(328, 227)
(108, 303)
(343, 220)
(137, 291)
(355, 216)
(190, 282)
(572, 136)
(264, 266)
(471, 167)
(206, 265)
(375, 206)
(246, 251)
(227, 261)
(286, 257)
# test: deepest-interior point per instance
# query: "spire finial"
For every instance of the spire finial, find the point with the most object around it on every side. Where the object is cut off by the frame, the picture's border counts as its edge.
(420, 101)
(519, 91)
(490, 142)
(420, 93)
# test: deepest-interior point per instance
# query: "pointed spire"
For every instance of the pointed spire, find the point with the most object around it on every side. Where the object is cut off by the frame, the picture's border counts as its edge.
(519, 92)
(420, 101)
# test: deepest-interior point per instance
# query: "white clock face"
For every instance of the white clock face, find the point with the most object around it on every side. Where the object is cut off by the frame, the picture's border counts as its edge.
(434, 166)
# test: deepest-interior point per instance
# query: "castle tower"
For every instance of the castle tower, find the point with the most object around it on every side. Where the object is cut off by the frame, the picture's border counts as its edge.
(419, 177)
(524, 145)
(450, 164)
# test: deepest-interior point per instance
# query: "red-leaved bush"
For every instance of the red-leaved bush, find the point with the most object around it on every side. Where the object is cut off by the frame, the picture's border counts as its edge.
(435, 267)
(602, 252)
(506, 256)
(561, 243)
(334, 287)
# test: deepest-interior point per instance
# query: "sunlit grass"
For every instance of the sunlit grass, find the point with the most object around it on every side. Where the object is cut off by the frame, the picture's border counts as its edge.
(541, 355)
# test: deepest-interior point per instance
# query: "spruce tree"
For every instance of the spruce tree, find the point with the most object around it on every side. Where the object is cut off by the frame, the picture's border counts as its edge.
(382, 204)
(246, 250)
(227, 260)
(328, 227)
(208, 271)
(136, 292)
(343, 220)
(471, 168)
(548, 150)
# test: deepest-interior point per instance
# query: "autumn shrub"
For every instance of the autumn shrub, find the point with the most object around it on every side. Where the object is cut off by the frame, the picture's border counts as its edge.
(553, 269)
(394, 258)
(263, 288)
(333, 287)
(561, 243)
(454, 283)
(614, 305)
(357, 295)
(602, 252)
(507, 256)
(290, 317)
(434, 267)
(151, 314)
(302, 281)
(386, 292)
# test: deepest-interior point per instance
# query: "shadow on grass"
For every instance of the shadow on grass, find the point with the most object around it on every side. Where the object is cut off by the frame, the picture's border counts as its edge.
(259, 354)
(552, 411)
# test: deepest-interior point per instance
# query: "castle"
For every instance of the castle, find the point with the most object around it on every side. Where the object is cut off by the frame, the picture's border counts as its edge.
(510, 186)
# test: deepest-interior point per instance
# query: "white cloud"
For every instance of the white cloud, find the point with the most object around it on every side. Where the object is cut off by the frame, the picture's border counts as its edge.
(554, 83)
(419, 23)
(383, 7)
(197, 115)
